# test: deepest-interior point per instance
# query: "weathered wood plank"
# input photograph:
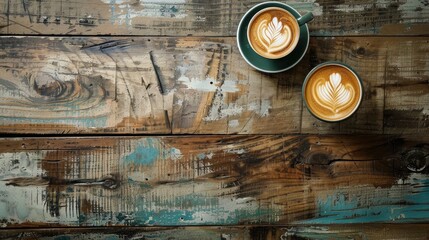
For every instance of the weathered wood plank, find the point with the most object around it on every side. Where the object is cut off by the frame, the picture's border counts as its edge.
(406, 90)
(214, 180)
(395, 74)
(203, 18)
(200, 85)
(339, 232)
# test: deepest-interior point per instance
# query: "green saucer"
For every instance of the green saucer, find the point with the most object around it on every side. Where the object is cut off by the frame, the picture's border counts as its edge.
(265, 64)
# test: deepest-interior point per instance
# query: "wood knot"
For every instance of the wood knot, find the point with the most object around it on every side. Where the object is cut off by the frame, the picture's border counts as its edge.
(110, 182)
(318, 158)
(46, 85)
(416, 160)
(360, 51)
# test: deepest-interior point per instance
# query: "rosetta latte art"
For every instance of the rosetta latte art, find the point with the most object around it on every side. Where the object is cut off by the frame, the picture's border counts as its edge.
(333, 94)
(273, 35)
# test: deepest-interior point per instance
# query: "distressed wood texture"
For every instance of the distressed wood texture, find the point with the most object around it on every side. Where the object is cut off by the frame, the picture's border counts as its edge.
(214, 180)
(200, 86)
(324, 232)
(204, 17)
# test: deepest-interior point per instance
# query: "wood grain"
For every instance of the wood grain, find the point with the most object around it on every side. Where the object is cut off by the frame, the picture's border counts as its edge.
(193, 85)
(339, 232)
(102, 73)
(213, 180)
(204, 18)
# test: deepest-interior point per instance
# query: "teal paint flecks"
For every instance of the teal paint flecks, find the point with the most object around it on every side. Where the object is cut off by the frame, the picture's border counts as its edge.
(163, 217)
(218, 216)
(111, 237)
(145, 153)
(149, 150)
(62, 237)
(407, 201)
(156, 209)
(112, 11)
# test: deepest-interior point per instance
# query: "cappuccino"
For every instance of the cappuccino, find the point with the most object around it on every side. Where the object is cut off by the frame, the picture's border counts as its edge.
(332, 92)
(273, 32)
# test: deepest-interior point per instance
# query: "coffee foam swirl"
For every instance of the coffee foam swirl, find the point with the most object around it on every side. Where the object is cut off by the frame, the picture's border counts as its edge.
(333, 94)
(273, 35)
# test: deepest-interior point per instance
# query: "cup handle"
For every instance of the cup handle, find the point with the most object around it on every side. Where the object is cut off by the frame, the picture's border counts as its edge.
(305, 18)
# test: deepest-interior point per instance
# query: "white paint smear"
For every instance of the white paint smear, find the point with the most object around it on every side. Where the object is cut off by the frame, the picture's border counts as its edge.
(222, 111)
(233, 123)
(261, 108)
(236, 151)
(175, 154)
(124, 11)
(209, 84)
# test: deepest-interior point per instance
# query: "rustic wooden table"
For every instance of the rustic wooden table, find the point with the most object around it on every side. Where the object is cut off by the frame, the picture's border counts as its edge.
(140, 119)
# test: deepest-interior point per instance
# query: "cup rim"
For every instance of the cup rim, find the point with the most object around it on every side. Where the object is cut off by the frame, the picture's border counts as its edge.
(294, 43)
(333, 63)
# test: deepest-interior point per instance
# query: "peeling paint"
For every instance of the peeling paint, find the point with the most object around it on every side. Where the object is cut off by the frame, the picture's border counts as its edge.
(307, 6)
(144, 154)
(175, 154)
(20, 204)
(124, 11)
(202, 156)
(345, 206)
(236, 151)
(148, 151)
(219, 111)
(20, 164)
(262, 108)
(233, 123)
(209, 84)
(419, 13)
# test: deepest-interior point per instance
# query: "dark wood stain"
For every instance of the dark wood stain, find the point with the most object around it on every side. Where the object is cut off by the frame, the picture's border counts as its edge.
(360, 231)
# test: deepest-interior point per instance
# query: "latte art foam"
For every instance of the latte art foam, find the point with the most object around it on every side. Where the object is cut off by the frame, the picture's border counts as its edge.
(273, 33)
(332, 92)
(274, 36)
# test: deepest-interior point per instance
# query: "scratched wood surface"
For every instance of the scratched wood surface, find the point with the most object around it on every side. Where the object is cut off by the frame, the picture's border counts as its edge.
(199, 86)
(338, 232)
(213, 180)
(204, 17)
(124, 107)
